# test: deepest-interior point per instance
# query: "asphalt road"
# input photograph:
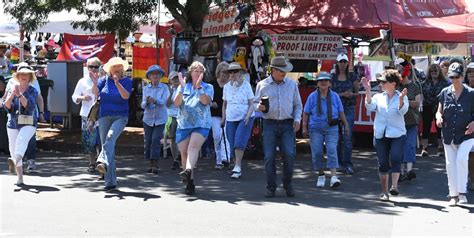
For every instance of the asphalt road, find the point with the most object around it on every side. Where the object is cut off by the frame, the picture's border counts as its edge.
(61, 199)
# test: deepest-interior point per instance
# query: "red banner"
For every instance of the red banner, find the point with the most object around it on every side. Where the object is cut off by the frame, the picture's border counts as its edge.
(144, 57)
(83, 47)
(433, 8)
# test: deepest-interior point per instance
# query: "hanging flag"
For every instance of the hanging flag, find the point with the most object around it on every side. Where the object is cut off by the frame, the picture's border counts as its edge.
(83, 47)
(144, 57)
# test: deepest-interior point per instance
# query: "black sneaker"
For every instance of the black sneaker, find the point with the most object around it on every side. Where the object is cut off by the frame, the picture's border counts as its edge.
(440, 152)
(190, 189)
(402, 177)
(226, 163)
(411, 175)
(270, 193)
(108, 188)
(185, 176)
(290, 192)
(175, 165)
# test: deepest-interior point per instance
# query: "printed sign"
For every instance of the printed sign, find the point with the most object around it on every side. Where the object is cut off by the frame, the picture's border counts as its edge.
(83, 47)
(220, 22)
(433, 8)
(307, 47)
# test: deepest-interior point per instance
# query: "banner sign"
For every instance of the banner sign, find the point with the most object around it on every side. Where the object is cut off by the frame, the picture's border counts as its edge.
(307, 47)
(144, 57)
(433, 8)
(83, 47)
(221, 23)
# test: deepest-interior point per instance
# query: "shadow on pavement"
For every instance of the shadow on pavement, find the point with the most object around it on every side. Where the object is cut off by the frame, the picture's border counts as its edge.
(35, 188)
(359, 192)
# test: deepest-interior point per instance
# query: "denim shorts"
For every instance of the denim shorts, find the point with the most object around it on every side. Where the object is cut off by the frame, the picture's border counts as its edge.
(183, 134)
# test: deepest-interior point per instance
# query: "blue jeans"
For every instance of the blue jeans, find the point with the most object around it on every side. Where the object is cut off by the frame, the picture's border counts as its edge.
(344, 150)
(152, 141)
(238, 134)
(279, 133)
(329, 136)
(110, 128)
(389, 154)
(409, 152)
(31, 151)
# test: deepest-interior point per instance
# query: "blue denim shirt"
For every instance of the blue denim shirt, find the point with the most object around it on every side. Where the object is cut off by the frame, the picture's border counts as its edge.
(389, 120)
(456, 114)
(192, 113)
(172, 109)
(316, 119)
(30, 94)
(155, 114)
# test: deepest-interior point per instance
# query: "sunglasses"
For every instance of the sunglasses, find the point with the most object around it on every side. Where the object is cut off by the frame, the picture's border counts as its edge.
(232, 71)
(455, 77)
(434, 71)
(93, 67)
(343, 61)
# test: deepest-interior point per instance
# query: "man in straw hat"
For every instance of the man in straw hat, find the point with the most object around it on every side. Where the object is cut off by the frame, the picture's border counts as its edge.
(279, 99)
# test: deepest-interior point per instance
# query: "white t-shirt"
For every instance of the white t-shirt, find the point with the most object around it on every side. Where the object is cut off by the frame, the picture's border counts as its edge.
(237, 100)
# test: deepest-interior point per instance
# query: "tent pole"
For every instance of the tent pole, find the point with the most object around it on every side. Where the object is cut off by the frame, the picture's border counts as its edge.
(157, 33)
(390, 36)
(22, 43)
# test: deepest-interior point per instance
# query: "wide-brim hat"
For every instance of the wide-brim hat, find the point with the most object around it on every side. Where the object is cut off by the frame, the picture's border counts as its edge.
(24, 68)
(116, 61)
(279, 62)
(234, 66)
(154, 68)
(323, 75)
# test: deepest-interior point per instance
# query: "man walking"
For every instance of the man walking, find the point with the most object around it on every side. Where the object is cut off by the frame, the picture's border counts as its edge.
(282, 108)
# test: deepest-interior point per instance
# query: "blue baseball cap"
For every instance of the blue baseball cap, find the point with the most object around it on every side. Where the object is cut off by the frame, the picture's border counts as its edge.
(154, 68)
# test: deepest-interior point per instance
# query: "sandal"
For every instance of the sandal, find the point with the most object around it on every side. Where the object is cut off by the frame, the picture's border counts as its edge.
(424, 152)
(91, 168)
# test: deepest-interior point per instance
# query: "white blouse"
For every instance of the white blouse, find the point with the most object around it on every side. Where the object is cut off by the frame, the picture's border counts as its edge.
(83, 88)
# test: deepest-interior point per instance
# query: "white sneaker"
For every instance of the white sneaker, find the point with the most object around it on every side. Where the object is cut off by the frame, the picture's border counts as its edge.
(335, 182)
(31, 164)
(453, 201)
(236, 172)
(462, 199)
(321, 181)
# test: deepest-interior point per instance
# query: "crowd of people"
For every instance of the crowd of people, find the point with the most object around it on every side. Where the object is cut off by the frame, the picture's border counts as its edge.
(191, 106)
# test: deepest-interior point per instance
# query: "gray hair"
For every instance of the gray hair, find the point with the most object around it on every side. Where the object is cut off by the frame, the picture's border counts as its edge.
(94, 60)
(222, 66)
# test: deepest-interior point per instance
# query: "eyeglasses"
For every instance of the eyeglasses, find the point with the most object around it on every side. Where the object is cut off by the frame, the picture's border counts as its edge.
(93, 67)
(232, 71)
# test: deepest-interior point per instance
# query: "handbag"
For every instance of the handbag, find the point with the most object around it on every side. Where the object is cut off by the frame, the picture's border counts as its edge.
(24, 119)
(94, 112)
